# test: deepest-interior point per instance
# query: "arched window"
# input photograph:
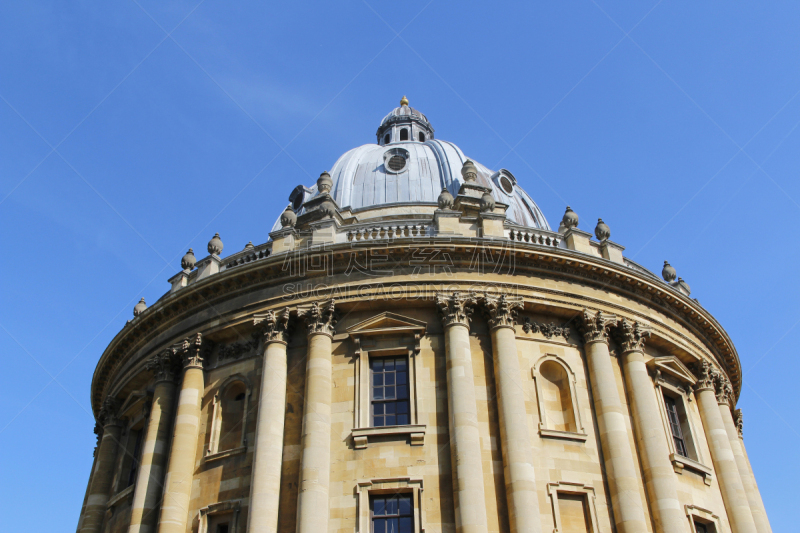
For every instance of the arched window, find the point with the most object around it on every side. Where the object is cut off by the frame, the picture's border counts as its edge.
(404, 134)
(387, 138)
(559, 416)
(229, 416)
(421, 137)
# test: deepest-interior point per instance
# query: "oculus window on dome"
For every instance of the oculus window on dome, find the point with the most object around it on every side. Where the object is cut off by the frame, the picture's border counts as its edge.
(396, 160)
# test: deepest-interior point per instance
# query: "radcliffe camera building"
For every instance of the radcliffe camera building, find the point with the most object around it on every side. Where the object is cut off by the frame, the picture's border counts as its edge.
(414, 349)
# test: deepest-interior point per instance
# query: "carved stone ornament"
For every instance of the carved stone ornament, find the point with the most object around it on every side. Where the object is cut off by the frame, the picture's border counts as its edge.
(456, 308)
(632, 336)
(737, 419)
(548, 330)
(288, 217)
(321, 318)
(445, 199)
(165, 365)
(487, 203)
(191, 352)
(236, 350)
(469, 171)
(705, 376)
(274, 325)
(570, 218)
(98, 431)
(324, 183)
(108, 412)
(602, 231)
(188, 261)
(215, 245)
(502, 310)
(594, 327)
(723, 390)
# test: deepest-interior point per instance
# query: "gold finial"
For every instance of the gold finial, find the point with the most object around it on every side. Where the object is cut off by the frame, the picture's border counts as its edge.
(404, 101)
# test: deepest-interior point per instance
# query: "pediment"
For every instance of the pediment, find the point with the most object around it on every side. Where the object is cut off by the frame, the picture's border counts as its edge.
(134, 401)
(386, 324)
(674, 367)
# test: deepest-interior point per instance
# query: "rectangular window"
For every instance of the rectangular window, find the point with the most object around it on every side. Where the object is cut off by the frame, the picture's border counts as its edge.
(390, 404)
(675, 426)
(700, 528)
(392, 513)
(134, 459)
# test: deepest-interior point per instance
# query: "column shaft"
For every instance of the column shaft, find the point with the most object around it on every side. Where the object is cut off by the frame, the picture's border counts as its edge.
(623, 478)
(730, 482)
(465, 438)
(150, 480)
(266, 484)
(183, 454)
(518, 470)
(659, 474)
(313, 504)
(102, 478)
(746, 474)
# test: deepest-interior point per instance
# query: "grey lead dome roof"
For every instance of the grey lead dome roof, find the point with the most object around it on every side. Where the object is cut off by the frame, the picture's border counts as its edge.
(369, 176)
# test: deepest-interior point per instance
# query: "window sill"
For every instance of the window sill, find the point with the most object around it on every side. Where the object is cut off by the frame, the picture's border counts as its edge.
(563, 435)
(679, 463)
(118, 497)
(227, 453)
(361, 436)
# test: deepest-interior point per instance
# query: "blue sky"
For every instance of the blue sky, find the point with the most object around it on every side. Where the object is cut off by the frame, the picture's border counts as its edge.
(133, 130)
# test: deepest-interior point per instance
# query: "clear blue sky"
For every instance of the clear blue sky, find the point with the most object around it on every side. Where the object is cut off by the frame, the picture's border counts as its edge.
(133, 130)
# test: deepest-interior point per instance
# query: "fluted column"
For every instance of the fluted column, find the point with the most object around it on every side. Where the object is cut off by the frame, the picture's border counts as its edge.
(518, 470)
(103, 473)
(265, 488)
(621, 472)
(730, 482)
(183, 452)
(465, 438)
(659, 475)
(748, 478)
(315, 466)
(150, 481)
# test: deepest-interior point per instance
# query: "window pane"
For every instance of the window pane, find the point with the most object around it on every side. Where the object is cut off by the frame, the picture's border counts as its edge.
(379, 525)
(377, 365)
(391, 525)
(405, 504)
(402, 420)
(377, 409)
(401, 407)
(400, 364)
(402, 393)
(377, 379)
(406, 525)
(388, 364)
(401, 378)
(390, 420)
(378, 506)
(389, 393)
(377, 393)
(389, 379)
(391, 505)
(378, 422)
(389, 408)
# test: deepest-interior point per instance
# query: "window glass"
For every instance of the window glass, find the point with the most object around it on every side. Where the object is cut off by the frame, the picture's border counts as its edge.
(392, 513)
(675, 426)
(390, 404)
(387, 138)
(404, 134)
(421, 137)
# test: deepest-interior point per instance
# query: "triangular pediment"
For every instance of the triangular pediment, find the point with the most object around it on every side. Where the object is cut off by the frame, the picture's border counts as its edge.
(674, 367)
(387, 323)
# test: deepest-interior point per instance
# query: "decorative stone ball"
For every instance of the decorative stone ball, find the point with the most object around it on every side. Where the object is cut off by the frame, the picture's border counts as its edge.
(602, 231)
(445, 199)
(469, 172)
(328, 209)
(139, 308)
(668, 273)
(570, 219)
(215, 245)
(189, 260)
(288, 217)
(487, 203)
(324, 183)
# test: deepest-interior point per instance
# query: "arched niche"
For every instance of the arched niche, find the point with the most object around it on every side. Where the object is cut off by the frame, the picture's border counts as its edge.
(559, 414)
(229, 410)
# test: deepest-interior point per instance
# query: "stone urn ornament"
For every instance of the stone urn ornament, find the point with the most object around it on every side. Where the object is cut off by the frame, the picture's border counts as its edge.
(139, 308)
(188, 261)
(446, 200)
(602, 231)
(487, 203)
(324, 183)
(288, 217)
(215, 245)
(668, 273)
(570, 219)
(469, 171)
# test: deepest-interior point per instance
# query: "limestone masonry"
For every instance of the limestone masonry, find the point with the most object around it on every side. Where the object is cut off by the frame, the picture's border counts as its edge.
(415, 350)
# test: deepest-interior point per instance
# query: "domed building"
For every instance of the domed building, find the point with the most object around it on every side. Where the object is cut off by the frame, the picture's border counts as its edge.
(414, 349)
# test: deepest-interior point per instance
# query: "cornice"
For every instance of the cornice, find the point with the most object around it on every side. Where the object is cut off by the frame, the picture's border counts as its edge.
(529, 259)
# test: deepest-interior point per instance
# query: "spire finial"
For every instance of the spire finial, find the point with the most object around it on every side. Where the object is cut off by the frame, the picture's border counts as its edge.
(403, 101)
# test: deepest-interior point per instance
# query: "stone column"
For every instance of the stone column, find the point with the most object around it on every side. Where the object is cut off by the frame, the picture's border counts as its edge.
(465, 438)
(103, 474)
(315, 465)
(265, 488)
(621, 472)
(183, 452)
(730, 482)
(659, 475)
(518, 470)
(150, 481)
(748, 479)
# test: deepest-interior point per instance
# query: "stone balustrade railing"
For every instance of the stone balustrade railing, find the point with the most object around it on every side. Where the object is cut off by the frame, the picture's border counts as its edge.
(388, 231)
(248, 255)
(534, 236)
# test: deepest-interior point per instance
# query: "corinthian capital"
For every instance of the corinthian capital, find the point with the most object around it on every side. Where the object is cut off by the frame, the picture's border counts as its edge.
(502, 310)
(274, 325)
(321, 318)
(190, 352)
(165, 365)
(705, 376)
(632, 336)
(724, 390)
(456, 308)
(108, 412)
(594, 327)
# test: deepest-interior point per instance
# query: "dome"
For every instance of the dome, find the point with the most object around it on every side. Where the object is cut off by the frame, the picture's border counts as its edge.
(414, 172)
